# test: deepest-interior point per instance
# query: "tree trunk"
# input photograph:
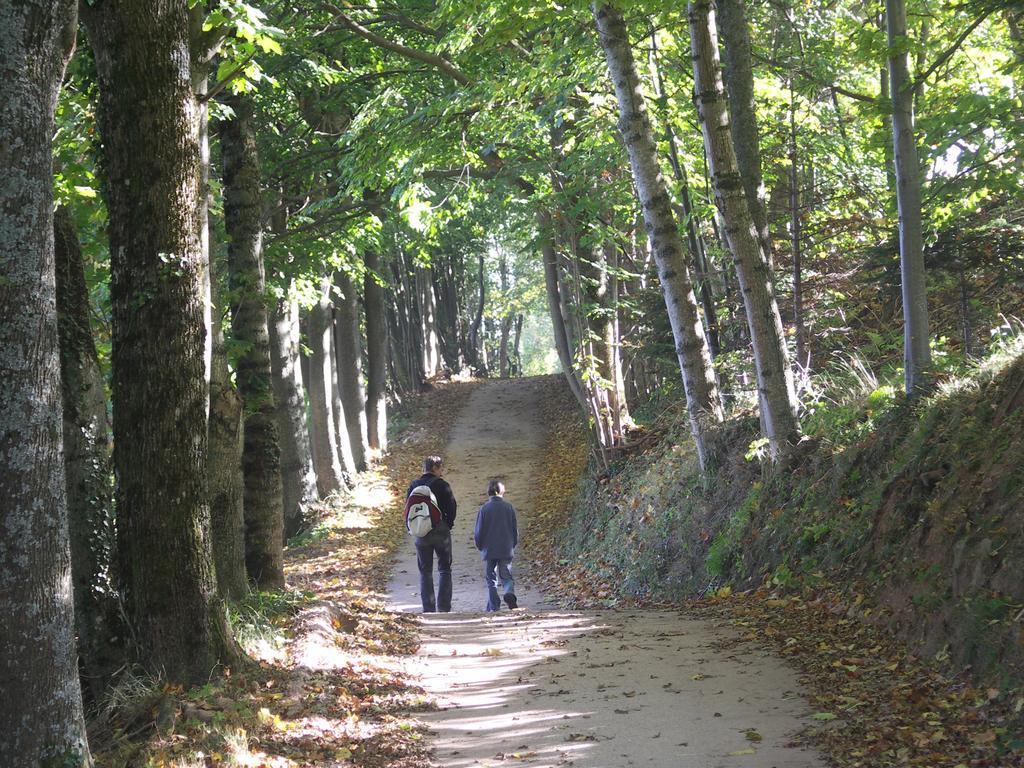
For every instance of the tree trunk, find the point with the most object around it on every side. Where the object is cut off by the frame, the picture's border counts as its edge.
(298, 478)
(774, 376)
(42, 701)
(703, 402)
(151, 154)
(349, 359)
(746, 138)
(342, 442)
(261, 453)
(431, 350)
(517, 357)
(916, 351)
(694, 240)
(476, 329)
(329, 477)
(545, 229)
(796, 234)
(506, 320)
(224, 458)
(376, 355)
(87, 459)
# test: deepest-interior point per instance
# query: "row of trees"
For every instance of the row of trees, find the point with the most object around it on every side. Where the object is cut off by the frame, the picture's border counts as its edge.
(272, 220)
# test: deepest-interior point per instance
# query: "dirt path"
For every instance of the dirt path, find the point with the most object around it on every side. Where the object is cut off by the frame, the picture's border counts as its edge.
(542, 687)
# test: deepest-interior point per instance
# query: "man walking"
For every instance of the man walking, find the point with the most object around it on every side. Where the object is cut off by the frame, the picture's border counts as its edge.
(496, 536)
(438, 541)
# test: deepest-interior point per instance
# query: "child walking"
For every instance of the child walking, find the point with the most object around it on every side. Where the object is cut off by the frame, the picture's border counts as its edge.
(496, 536)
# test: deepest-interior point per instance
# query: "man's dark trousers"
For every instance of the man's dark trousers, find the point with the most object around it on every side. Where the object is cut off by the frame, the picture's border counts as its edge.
(437, 542)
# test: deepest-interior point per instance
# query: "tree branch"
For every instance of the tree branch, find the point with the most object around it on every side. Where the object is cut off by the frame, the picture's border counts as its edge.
(434, 60)
(946, 54)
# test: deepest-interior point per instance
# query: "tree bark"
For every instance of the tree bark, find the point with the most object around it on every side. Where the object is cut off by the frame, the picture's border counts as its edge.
(151, 159)
(376, 355)
(329, 478)
(87, 459)
(298, 478)
(916, 351)
(506, 321)
(431, 350)
(224, 458)
(42, 701)
(796, 235)
(694, 240)
(702, 399)
(261, 453)
(349, 359)
(746, 138)
(774, 376)
(545, 230)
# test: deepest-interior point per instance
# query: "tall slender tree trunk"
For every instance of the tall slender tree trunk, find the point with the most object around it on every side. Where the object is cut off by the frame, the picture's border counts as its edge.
(428, 322)
(506, 320)
(87, 460)
(916, 351)
(517, 357)
(42, 702)
(261, 455)
(151, 160)
(545, 229)
(298, 478)
(796, 234)
(329, 477)
(694, 239)
(342, 442)
(702, 399)
(224, 458)
(746, 138)
(776, 391)
(349, 359)
(376, 355)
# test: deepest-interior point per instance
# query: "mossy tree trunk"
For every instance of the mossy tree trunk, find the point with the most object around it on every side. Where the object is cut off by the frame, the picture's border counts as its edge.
(224, 457)
(41, 709)
(151, 162)
(87, 462)
(261, 452)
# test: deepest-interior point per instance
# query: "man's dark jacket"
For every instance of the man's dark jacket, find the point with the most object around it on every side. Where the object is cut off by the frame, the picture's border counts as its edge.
(443, 493)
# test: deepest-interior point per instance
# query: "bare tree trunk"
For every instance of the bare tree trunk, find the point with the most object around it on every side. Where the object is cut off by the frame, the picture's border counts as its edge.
(517, 357)
(545, 229)
(476, 329)
(376, 355)
(746, 138)
(42, 701)
(151, 152)
(349, 359)
(506, 320)
(796, 234)
(329, 477)
(916, 351)
(261, 454)
(298, 478)
(703, 402)
(693, 236)
(774, 376)
(428, 322)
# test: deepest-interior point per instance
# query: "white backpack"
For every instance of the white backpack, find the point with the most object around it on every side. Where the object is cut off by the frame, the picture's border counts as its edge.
(421, 511)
